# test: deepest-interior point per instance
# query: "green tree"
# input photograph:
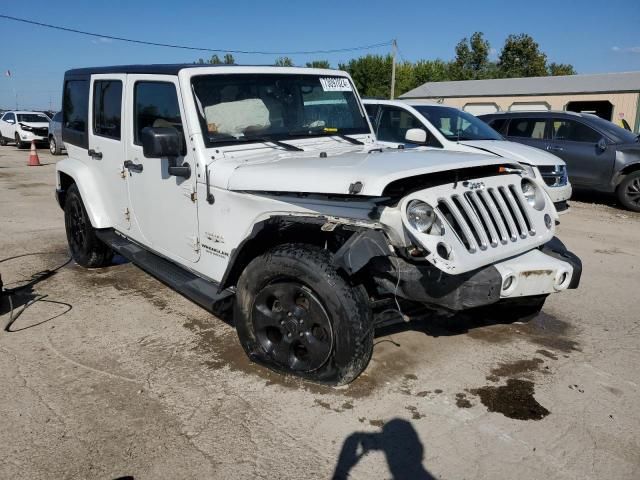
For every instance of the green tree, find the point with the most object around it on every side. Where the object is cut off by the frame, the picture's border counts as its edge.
(472, 58)
(561, 69)
(319, 64)
(521, 57)
(215, 60)
(371, 74)
(228, 59)
(283, 62)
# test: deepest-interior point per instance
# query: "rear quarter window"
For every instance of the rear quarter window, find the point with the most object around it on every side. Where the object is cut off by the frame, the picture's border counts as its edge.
(75, 109)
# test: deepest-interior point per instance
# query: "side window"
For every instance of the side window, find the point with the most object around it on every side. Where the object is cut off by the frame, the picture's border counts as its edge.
(75, 110)
(372, 112)
(394, 123)
(498, 124)
(573, 131)
(156, 105)
(527, 128)
(107, 106)
(9, 117)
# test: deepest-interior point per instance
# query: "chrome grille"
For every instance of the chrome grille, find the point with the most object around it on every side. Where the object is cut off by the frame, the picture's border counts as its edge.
(489, 217)
(554, 175)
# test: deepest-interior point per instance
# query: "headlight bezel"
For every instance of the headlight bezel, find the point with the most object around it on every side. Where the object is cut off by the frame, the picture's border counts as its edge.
(533, 194)
(428, 215)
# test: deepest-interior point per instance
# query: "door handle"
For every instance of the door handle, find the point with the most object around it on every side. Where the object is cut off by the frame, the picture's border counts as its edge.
(133, 167)
(95, 155)
(555, 148)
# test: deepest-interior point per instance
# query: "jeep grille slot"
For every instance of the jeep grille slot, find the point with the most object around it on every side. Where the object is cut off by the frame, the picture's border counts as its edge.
(449, 217)
(488, 217)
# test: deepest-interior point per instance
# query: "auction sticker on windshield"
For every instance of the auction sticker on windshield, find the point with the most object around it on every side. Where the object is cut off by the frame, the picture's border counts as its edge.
(335, 84)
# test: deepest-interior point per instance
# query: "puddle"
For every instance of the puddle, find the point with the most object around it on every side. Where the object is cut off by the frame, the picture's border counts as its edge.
(513, 400)
(544, 330)
(462, 401)
(514, 369)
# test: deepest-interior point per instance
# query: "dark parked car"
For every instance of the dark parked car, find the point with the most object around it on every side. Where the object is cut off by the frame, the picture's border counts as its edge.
(599, 155)
(55, 134)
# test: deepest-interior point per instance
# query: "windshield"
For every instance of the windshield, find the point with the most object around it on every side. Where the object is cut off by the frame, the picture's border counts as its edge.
(244, 107)
(32, 117)
(457, 125)
(613, 131)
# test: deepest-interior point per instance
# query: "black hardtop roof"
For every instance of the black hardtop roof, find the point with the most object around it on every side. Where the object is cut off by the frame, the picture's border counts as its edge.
(159, 68)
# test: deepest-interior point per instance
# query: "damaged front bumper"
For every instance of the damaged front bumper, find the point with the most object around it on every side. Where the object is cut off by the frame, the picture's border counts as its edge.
(550, 269)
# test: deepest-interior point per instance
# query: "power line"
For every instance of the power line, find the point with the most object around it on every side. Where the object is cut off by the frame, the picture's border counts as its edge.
(186, 47)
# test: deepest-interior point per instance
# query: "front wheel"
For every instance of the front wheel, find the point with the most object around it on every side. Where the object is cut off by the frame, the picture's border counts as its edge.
(19, 143)
(629, 191)
(86, 248)
(295, 314)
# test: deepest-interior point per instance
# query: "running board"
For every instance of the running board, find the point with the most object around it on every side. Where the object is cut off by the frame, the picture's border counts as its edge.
(205, 293)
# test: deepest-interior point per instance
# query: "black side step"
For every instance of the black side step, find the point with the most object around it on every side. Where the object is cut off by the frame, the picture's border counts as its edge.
(205, 293)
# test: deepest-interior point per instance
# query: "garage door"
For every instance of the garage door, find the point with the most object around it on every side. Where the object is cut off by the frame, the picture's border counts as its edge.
(529, 107)
(480, 108)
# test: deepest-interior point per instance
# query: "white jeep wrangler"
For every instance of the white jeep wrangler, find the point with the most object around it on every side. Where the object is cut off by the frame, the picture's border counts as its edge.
(265, 187)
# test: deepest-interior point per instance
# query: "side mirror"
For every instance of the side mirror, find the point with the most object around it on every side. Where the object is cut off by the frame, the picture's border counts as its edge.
(161, 142)
(416, 135)
(602, 144)
(11, 121)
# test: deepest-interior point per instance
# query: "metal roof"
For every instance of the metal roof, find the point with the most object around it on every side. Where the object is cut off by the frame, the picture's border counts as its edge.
(595, 83)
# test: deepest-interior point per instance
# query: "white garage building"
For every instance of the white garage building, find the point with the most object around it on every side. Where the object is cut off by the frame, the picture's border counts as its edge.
(613, 96)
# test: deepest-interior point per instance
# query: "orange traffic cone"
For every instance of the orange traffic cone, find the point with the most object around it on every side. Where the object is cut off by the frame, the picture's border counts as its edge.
(34, 161)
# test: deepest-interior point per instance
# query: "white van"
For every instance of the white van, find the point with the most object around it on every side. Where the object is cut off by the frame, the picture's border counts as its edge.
(429, 125)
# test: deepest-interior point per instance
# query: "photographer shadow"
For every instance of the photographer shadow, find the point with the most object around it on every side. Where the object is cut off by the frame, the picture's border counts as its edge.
(400, 443)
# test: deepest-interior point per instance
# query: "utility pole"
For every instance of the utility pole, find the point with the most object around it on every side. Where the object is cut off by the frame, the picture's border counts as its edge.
(394, 47)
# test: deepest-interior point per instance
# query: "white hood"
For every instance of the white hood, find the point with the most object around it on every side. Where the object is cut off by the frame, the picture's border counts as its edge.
(516, 151)
(335, 173)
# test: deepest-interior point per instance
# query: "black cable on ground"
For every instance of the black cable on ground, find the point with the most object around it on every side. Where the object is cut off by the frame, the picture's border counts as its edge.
(35, 278)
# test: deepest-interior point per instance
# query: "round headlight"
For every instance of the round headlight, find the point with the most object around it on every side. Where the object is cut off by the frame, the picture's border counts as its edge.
(420, 215)
(532, 194)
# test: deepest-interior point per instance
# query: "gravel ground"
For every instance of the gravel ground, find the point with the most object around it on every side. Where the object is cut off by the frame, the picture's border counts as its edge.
(112, 374)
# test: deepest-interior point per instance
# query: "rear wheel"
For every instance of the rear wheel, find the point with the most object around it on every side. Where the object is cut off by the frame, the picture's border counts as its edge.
(295, 314)
(53, 146)
(629, 191)
(86, 249)
(3, 141)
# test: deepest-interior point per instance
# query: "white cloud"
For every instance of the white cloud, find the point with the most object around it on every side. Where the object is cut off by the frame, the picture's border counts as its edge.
(626, 49)
(102, 40)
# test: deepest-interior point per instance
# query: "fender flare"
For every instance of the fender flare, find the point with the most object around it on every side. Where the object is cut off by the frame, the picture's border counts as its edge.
(91, 192)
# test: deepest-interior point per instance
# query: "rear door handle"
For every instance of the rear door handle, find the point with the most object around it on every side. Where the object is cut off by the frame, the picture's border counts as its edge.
(133, 167)
(555, 148)
(95, 155)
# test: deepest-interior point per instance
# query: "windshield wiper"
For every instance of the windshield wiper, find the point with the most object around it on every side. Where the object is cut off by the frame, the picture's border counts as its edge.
(286, 146)
(224, 138)
(321, 132)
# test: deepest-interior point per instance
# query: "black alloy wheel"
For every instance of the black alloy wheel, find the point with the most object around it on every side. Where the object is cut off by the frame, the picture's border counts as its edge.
(85, 247)
(292, 326)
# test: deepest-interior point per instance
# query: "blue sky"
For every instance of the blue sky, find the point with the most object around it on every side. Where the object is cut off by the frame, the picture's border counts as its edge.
(594, 36)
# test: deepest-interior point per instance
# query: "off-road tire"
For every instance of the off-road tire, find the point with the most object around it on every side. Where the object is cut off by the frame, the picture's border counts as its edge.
(19, 143)
(53, 146)
(346, 307)
(628, 191)
(85, 247)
